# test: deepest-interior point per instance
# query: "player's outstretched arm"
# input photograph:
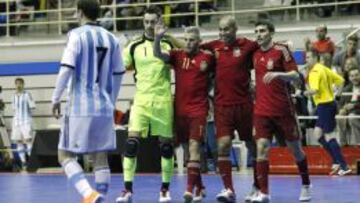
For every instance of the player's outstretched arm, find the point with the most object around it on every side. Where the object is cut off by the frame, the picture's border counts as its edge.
(286, 76)
(160, 31)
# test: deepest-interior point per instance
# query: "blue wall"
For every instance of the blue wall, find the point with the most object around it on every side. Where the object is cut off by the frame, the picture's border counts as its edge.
(35, 68)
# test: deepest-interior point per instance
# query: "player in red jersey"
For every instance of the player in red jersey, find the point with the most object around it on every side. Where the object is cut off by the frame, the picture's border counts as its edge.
(274, 112)
(233, 99)
(191, 67)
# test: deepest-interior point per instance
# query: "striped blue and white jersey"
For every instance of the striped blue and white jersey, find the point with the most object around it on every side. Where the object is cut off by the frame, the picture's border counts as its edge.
(22, 104)
(94, 56)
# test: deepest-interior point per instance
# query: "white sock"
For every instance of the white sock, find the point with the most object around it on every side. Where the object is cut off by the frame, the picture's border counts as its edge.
(75, 174)
(102, 179)
(21, 151)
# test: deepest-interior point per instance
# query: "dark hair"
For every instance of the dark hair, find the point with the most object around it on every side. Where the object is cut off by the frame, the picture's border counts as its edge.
(90, 8)
(268, 24)
(19, 80)
(0, 89)
(354, 38)
(153, 10)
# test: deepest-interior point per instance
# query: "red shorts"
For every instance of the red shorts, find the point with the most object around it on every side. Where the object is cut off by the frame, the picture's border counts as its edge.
(235, 117)
(283, 126)
(190, 128)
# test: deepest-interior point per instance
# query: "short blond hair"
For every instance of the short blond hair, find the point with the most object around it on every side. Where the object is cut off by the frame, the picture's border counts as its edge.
(193, 29)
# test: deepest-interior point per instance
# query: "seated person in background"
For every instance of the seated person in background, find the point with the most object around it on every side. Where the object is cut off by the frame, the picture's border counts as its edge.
(347, 106)
(351, 51)
(350, 63)
(131, 11)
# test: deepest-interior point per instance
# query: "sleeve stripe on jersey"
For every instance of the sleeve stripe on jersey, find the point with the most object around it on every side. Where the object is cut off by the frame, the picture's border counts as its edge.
(132, 50)
(67, 65)
(285, 52)
(119, 73)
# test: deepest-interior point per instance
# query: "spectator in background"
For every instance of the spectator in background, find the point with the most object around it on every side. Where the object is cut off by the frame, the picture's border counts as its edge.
(323, 44)
(22, 133)
(132, 11)
(350, 63)
(107, 15)
(351, 51)
(175, 8)
(348, 106)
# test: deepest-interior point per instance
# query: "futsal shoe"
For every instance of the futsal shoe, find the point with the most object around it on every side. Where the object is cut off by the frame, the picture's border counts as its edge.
(226, 195)
(188, 197)
(334, 169)
(305, 194)
(94, 197)
(261, 198)
(199, 195)
(164, 196)
(251, 194)
(125, 197)
(344, 172)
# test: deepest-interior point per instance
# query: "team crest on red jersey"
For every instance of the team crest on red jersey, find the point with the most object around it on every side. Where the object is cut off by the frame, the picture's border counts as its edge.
(270, 64)
(203, 65)
(236, 52)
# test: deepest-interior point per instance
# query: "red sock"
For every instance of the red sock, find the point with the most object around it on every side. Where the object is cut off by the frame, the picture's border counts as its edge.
(193, 168)
(224, 164)
(199, 184)
(256, 183)
(263, 176)
(304, 172)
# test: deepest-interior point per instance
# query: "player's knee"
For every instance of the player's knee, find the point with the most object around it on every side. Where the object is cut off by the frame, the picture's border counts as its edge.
(224, 146)
(64, 157)
(263, 146)
(330, 136)
(167, 150)
(132, 147)
(194, 150)
(100, 160)
(295, 148)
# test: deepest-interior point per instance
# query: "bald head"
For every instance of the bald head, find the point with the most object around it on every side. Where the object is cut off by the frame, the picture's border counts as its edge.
(228, 21)
(227, 29)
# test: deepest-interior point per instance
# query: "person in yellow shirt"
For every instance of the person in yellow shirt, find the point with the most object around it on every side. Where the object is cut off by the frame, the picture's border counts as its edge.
(321, 81)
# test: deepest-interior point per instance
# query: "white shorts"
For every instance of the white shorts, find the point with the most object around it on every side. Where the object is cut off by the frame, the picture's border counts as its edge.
(21, 132)
(87, 134)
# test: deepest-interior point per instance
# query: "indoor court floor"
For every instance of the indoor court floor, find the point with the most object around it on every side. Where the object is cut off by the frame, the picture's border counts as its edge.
(33, 188)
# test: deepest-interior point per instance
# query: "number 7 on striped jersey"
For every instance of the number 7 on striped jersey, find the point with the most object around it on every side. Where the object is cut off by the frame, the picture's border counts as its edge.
(101, 53)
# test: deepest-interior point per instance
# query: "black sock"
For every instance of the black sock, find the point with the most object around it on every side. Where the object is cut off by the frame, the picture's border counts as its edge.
(128, 186)
(165, 186)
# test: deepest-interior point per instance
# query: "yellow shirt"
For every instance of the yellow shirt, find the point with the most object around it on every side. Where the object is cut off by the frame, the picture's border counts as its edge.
(322, 79)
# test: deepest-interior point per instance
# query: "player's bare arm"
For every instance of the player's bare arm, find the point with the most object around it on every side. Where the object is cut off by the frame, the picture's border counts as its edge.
(310, 92)
(286, 76)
